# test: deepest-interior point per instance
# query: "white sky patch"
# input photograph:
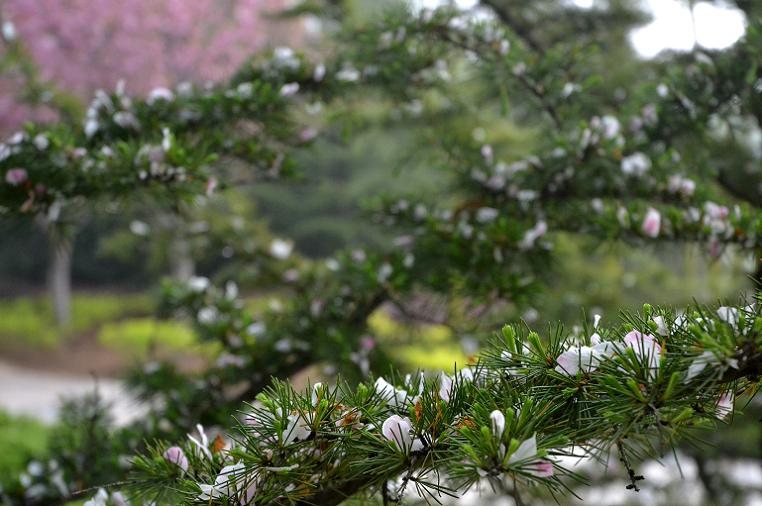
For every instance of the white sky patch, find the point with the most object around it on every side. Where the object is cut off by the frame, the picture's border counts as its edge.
(673, 27)
(711, 26)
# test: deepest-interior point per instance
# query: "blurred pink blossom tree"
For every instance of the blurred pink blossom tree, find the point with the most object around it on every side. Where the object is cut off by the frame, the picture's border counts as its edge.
(82, 45)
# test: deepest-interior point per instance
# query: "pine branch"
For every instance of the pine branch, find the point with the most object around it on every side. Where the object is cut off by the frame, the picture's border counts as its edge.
(629, 387)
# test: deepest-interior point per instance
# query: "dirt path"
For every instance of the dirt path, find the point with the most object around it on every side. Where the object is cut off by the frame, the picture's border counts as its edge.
(36, 393)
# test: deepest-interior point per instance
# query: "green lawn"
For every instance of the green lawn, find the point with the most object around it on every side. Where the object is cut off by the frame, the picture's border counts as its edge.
(429, 347)
(29, 321)
(123, 322)
(139, 336)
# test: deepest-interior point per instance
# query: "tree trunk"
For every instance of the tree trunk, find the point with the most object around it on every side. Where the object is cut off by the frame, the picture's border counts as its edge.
(182, 265)
(59, 275)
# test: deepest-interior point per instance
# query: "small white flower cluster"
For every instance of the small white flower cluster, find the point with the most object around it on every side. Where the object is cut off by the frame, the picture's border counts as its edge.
(41, 478)
(636, 164)
(682, 185)
(103, 498)
(231, 481)
(588, 358)
(117, 108)
(397, 397)
(151, 160)
(470, 225)
(399, 429)
(648, 350)
(14, 145)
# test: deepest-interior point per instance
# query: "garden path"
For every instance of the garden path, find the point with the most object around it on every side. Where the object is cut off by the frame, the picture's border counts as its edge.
(36, 393)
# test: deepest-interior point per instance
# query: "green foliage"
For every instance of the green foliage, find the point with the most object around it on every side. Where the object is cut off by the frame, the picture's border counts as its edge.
(23, 439)
(525, 405)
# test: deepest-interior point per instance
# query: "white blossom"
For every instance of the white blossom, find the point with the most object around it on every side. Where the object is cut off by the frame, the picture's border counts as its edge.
(729, 315)
(319, 72)
(348, 74)
(397, 429)
(531, 235)
(158, 94)
(207, 315)
(636, 164)
(497, 420)
(289, 89)
(281, 249)
(9, 31)
(384, 272)
(91, 127)
(394, 396)
(486, 214)
(41, 142)
(583, 358)
(661, 326)
(298, 429)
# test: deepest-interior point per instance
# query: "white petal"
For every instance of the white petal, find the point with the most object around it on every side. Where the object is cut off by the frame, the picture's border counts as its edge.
(568, 362)
(397, 429)
(445, 387)
(699, 363)
(525, 451)
(729, 315)
(498, 423)
(661, 326)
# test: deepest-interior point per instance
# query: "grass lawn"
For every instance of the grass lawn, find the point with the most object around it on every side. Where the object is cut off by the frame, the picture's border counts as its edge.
(29, 321)
(139, 336)
(429, 347)
(124, 323)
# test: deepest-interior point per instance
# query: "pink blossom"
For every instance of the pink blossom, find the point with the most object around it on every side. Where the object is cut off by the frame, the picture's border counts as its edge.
(640, 341)
(725, 405)
(715, 211)
(527, 451)
(211, 185)
(646, 348)
(307, 134)
(651, 223)
(83, 45)
(15, 177)
(367, 343)
(715, 248)
(682, 185)
(175, 455)
(543, 469)
(397, 429)
(583, 358)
